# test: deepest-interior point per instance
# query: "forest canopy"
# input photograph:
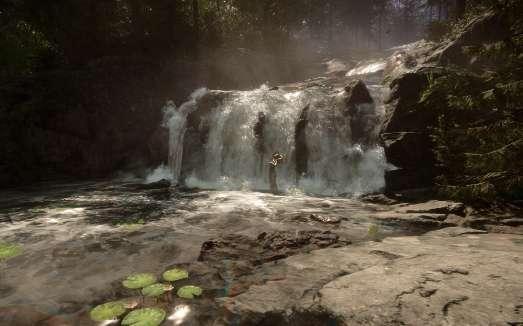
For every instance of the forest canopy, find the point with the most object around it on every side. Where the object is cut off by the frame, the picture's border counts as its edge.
(40, 33)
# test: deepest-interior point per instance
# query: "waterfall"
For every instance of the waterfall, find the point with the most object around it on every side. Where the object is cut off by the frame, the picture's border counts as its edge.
(233, 135)
(175, 120)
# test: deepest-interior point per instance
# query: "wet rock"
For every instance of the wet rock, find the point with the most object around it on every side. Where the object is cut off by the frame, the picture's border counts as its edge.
(455, 232)
(453, 220)
(357, 93)
(362, 111)
(422, 220)
(22, 316)
(407, 149)
(379, 199)
(434, 206)
(164, 183)
(513, 222)
(449, 277)
(405, 134)
(325, 219)
(267, 246)
(301, 148)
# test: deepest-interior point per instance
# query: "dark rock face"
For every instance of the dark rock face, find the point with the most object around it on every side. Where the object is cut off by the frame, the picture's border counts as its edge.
(360, 107)
(406, 136)
(407, 126)
(236, 257)
(268, 246)
(357, 93)
(300, 140)
(411, 153)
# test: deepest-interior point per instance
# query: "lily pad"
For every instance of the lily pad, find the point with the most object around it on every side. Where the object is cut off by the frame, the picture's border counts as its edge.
(138, 281)
(189, 291)
(108, 311)
(156, 290)
(175, 274)
(9, 250)
(144, 317)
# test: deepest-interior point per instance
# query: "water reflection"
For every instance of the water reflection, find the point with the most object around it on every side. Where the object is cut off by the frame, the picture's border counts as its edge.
(179, 314)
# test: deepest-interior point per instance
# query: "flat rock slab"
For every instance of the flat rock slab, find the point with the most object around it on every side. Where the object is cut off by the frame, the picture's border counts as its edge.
(454, 276)
(434, 207)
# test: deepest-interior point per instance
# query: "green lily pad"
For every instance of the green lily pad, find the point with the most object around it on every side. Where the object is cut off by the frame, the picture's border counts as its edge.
(144, 317)
(9, 250)
(138, 281)
(156, 290)
(189, 291)
(175, 274)
(107, 311)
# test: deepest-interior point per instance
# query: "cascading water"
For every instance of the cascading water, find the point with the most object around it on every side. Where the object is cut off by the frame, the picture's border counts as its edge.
(175, 120)
(242, 130)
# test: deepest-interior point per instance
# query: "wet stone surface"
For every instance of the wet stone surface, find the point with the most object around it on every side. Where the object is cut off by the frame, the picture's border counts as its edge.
(81, 240)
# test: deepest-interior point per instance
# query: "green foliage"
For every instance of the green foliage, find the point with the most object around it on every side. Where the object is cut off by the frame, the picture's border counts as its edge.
(9, 250)
(175, 274)
(478, 136)
(373, 232)
(189, 292)
(144, 317)
(20, 48)
(138, 281)
(107, 311)
(156, 290)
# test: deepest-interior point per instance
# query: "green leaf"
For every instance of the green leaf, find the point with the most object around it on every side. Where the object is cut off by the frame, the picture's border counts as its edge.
(189, 292)
(144, 317)
(108, 311)
(156, 290)
(9, 250)
(175, 274)
(138, 281)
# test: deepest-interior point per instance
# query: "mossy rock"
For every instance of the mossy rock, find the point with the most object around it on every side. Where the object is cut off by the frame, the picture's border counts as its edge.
(175, 274)
(139, 281)
(9, 250)
(156, 290)
(189, 292)
(107, 311)
(144, 317)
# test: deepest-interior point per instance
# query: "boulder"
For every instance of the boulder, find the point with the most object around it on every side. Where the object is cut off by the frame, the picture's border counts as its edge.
(434, 206)
(360, 106)
(405, 133)
(267, 246)
(301, 148)
(408, 179)
(408, 149)
(455, 276)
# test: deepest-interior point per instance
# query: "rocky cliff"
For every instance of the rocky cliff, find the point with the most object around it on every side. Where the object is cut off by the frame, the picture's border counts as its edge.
(453, 116)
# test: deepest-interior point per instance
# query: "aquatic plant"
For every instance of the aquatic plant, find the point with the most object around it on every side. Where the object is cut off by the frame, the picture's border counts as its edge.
(156, 290)
(175, 274)
(108, 311)
(144, 317)
(9, 250)
(189, 292)
(373, 232)
(139, 281)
